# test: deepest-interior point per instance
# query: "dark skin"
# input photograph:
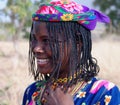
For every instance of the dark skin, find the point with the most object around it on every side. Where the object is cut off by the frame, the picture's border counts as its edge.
(43, 56)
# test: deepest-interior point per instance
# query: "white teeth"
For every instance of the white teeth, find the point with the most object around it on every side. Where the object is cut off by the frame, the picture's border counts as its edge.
(42, 61)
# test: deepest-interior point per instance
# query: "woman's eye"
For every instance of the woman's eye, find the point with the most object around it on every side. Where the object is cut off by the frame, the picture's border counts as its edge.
(46, 40)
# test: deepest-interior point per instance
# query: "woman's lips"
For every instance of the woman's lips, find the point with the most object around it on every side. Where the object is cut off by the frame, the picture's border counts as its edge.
(42, 62)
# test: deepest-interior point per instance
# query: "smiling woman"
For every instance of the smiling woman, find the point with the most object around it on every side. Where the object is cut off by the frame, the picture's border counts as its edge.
(60, 58)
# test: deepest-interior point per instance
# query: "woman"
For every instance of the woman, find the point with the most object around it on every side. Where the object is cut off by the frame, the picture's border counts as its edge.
(60, 58)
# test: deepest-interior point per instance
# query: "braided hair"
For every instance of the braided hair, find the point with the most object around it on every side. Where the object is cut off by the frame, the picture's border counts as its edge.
(81, 61)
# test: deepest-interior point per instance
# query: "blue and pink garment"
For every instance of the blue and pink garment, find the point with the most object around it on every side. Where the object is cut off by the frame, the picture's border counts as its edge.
(95, 92)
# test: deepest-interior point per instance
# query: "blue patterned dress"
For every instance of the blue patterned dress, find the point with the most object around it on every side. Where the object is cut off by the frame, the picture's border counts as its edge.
(95, 92)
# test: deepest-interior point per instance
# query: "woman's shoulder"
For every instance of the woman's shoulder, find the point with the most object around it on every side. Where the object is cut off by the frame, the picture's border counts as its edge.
(98, 91)
(31, 87)
(30, 90)
(97, 84)
(105, 92)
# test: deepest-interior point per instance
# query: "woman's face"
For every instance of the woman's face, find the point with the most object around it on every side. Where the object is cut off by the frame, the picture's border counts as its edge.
(42, 50)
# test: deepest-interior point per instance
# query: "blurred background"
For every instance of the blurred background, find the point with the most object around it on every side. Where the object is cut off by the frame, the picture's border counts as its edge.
(15, 23)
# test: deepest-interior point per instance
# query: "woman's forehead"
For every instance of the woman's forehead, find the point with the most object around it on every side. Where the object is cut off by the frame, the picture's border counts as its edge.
(41, 28)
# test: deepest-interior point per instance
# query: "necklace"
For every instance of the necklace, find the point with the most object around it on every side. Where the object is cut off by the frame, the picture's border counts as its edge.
(77, 87)
(62, 81)
(54, 84)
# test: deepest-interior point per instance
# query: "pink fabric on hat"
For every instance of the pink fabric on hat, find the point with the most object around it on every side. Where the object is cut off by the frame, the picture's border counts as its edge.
(69, 7)
(46, 10)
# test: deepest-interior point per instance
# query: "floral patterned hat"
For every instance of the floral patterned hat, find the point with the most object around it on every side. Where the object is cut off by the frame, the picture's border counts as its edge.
(69, 11)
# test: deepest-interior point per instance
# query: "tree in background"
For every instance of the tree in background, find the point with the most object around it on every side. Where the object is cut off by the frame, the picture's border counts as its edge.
(19, 13)
(112, 9)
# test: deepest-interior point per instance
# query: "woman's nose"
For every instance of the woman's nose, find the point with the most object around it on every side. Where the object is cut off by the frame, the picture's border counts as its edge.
(39, 48)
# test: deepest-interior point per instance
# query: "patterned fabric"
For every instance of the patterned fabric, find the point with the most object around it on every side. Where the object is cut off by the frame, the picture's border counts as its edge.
(95, 92)
(57, 11)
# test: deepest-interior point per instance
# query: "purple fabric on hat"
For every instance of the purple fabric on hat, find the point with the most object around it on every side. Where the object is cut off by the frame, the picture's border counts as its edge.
(91, 26)
(85, 9)
(102, 17)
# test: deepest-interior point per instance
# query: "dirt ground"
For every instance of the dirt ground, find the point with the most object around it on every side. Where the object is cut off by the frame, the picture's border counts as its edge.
(14, 75)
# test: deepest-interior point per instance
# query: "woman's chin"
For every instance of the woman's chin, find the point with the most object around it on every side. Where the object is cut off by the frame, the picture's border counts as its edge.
(45, 68)
(44, 71)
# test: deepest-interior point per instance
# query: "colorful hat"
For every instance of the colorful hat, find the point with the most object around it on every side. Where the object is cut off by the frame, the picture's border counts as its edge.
(69, 11)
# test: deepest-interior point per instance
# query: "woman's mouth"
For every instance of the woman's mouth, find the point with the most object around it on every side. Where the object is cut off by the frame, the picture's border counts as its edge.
(42, 61)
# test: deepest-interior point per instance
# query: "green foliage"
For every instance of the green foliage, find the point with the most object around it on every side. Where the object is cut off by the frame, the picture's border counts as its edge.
(20, 16)
(112, 9)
